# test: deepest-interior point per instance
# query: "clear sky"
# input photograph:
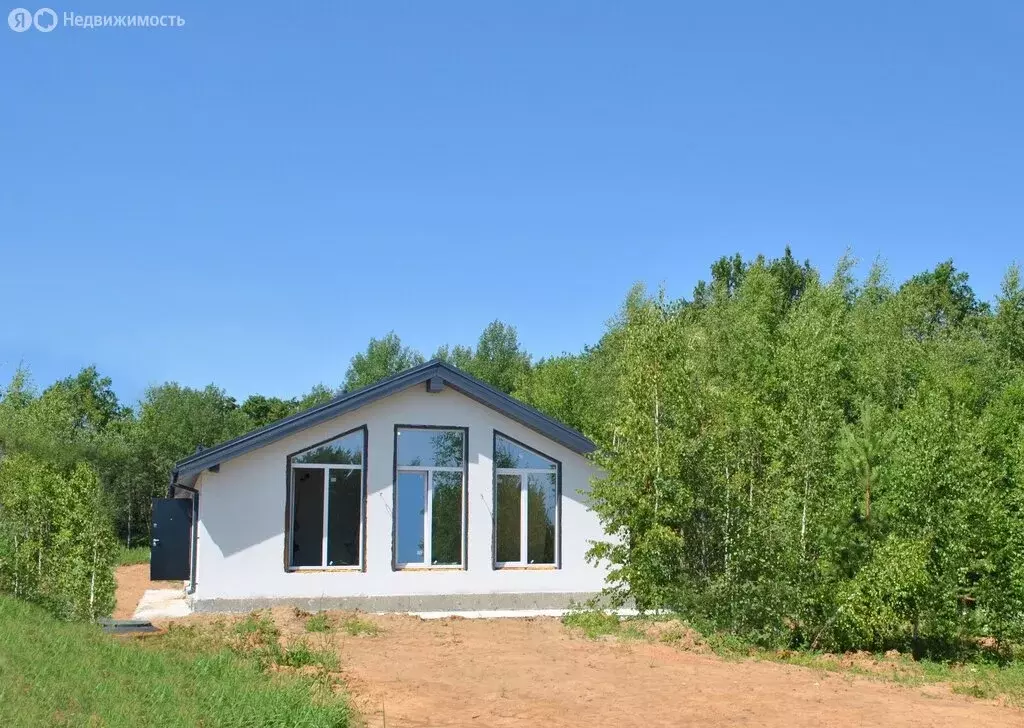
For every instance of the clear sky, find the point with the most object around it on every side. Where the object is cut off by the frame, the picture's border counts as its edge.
(248, 198)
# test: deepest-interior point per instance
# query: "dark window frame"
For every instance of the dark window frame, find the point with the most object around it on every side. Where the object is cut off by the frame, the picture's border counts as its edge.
(502, 566)
(288, 503)
(464, 541)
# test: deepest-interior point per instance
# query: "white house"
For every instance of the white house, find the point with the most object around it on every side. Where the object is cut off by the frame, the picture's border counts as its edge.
(429, 490)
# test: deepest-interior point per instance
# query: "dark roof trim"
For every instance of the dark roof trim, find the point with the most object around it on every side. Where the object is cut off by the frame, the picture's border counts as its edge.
(349, 401)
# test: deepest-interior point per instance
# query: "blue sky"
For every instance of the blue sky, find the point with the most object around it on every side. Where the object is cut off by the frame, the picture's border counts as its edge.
(247, 199)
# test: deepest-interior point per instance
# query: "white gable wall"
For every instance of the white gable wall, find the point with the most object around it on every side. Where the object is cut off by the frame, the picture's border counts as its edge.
(242, 516)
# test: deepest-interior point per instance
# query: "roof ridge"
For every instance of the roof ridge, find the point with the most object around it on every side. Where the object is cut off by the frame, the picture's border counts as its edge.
(484, 393)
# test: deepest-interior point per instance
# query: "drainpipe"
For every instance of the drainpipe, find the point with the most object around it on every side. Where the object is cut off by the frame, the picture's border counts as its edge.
(194, 492)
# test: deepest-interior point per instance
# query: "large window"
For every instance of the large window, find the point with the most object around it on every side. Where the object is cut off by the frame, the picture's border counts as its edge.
(327, 487)
(526, 518)
(430, 478)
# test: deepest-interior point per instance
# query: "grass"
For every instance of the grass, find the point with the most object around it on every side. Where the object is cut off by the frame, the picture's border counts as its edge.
(355, 626)
(319, 622)
(55, 673)
(976, 679)
(130, 556)
(302, 655)
(596, 624)
(593, 623)
(351, 624)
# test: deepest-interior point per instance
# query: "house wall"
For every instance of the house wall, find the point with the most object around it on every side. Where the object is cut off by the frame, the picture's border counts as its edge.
(241, 538)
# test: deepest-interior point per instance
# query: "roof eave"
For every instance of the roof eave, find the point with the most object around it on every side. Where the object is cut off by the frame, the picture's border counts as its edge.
(460, 381)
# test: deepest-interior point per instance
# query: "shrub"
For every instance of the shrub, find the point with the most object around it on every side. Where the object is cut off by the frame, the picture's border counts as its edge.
(57, 548)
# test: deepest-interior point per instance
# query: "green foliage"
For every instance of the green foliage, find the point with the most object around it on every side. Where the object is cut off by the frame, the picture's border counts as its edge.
(458, 356)
(1008, 326)
(940, 300)
(174, 421)
(92, 401)
(559, 387)
(56, 545)
(319, 394)
(301, 654)
(498, 358)
(53, 673)
(320, 622)
(805, 462)
(260, 410)
(593, 623)
(382, 358)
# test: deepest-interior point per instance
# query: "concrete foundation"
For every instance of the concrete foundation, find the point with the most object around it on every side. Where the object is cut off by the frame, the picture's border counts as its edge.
(447, 603)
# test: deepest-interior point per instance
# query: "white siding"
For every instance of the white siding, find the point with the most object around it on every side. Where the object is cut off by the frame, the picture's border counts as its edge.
(242, 513)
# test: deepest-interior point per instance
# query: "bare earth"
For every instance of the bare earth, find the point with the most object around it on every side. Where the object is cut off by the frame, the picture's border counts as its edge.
(132, 582)
(526, 672)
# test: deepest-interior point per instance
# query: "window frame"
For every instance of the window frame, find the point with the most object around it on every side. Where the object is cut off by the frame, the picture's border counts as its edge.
(289, 511)
(425, 565)
(523, 473)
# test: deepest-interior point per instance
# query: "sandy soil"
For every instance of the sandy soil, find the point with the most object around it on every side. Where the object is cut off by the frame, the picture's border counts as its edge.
(505, 673)
(527, 672)
(132, 582)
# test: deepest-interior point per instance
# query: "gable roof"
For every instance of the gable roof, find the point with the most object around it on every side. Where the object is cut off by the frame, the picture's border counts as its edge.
(435, 369)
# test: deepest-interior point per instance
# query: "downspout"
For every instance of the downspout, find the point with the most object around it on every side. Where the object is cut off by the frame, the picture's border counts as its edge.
(171, 487)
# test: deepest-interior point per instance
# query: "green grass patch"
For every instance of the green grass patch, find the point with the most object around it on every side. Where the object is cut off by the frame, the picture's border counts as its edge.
(319, 623)
(355, 625)
(976, 679)
(302, 655)
(55, 673)
(981, 679)
(595, 623)
(131, 556)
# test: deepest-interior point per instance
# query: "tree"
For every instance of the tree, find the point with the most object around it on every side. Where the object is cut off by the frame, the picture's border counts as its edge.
(173, 422)
(1008, 326)
(84, 547)
(643, 500)
(56, 545)
(93, 403)
(262, 410)
(458, 356)
(939, 300)
(498, 358)
(801, 462)
(382, 358)
(792, 277)
(319, 394)
(558, 386)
